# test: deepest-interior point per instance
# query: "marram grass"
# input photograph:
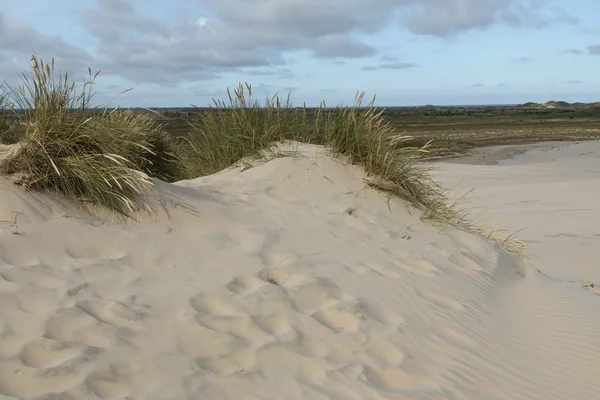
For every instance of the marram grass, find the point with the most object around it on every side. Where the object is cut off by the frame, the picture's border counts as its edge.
(102, 157)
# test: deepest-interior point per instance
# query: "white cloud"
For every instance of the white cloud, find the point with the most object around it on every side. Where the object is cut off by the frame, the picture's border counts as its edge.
(201, 22)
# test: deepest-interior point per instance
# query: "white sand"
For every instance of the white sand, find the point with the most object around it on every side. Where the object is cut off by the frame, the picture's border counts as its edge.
(291, 280)
(550, 190)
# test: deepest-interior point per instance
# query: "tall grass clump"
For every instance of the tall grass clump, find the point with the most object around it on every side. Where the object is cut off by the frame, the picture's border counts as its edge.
(240, 128)
(98, 156)
(364, 137)
(244, 128)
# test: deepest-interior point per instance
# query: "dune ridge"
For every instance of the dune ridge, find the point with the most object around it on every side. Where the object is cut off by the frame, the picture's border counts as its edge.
(288, 280)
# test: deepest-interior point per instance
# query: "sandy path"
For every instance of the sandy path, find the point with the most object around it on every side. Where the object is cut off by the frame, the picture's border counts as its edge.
(290, 280)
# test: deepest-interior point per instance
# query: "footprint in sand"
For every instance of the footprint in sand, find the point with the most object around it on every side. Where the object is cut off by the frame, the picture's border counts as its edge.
(108, 385)
(46, 353)
(314, 295)
(17, 258)
(384, 353)
(25, 382)
(379, 312)
(112, 313)
(340, 318)
(36, 275)
(390, 379)
(38, 300)
(221, 314)
(215, 305)
(242, 327)
(244, 284)
(240, 360)
(308, 346)
(75, 325)
(274, 324)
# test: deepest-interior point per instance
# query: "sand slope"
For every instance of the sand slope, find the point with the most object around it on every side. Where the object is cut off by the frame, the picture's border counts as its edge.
(550, 190)
(289, 280)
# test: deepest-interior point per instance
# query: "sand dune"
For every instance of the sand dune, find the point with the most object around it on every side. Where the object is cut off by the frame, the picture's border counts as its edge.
(289, 280)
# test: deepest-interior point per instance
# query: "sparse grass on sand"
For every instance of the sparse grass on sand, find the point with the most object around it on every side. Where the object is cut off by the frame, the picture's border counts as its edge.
(99, 156)
(244, 128)
(108, 157)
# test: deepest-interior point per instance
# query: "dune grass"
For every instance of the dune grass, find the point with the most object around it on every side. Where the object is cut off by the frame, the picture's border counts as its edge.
(98, 156)
(244, 128)
(241, 128)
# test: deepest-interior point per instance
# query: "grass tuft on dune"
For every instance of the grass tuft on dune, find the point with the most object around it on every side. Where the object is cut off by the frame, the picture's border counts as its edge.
(104, 157)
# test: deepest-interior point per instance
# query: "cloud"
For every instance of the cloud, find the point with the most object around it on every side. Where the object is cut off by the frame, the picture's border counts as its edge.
(477, 85)
(394, 65)
(570, 82)
(281, 72)
(19, 41)
(233, 34)
(445, 18)
(595, 49)
(573, 51)
(229, 36)
(562, 16)
(521, 59)
(336, 46)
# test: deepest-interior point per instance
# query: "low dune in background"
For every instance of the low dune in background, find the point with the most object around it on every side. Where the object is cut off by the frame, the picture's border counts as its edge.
(292, 280)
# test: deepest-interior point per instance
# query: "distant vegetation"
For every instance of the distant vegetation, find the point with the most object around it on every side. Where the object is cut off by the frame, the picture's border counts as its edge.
(562, 105)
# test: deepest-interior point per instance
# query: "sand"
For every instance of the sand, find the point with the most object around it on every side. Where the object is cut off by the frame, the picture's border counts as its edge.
(293, 280)
(550, 191)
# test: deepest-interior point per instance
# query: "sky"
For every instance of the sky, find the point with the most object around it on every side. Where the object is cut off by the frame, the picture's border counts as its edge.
(180, 53)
